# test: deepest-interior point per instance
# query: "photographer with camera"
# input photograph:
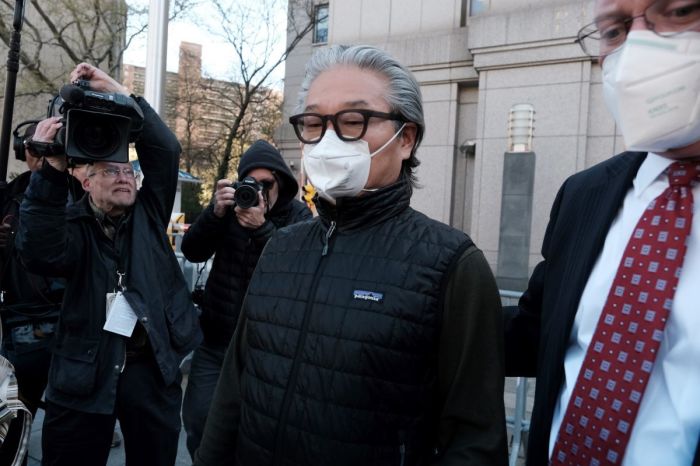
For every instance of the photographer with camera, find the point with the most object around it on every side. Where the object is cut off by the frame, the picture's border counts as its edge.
(126, 320)
(29, 303)
(235, 227)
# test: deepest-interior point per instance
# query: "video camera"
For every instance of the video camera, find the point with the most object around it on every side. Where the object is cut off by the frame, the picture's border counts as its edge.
(98, 127)
(21, 139)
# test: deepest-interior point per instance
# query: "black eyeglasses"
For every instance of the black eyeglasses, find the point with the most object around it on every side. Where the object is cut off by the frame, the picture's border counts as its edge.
(349, 125)
(266, 184)
(607, 34)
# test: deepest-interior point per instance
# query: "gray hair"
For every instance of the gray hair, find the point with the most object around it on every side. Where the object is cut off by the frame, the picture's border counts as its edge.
(403, 95)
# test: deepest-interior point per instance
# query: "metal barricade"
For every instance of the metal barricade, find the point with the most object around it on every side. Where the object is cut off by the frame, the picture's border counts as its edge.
(519, 422)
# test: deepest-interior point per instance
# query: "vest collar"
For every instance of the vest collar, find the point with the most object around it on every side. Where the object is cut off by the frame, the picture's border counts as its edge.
(367, 210)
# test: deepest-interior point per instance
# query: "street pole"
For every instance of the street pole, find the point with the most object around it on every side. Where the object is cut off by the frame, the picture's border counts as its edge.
(156, 53)
(10, 86)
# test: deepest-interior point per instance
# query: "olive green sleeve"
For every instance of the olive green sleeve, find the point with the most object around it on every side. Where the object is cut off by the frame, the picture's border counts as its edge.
(471, 427)
(218, 445)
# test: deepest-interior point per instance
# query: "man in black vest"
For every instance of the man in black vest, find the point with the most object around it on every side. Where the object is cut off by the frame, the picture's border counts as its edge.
(370, 335)
(236, 235)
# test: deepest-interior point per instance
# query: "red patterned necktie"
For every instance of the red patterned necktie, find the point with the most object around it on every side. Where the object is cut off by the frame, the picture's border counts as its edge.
(603, 406)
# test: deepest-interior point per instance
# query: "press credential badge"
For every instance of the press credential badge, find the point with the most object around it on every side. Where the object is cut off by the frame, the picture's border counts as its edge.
(121, 319)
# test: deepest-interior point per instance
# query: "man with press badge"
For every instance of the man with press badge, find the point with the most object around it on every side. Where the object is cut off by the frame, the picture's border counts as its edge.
(126, 321)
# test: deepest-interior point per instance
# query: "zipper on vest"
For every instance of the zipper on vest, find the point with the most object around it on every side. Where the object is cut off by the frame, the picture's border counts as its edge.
(329, 233)
(291, 384)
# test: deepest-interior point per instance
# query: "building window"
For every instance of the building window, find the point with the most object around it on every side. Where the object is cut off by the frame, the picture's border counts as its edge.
(478, 6)
(321, 24)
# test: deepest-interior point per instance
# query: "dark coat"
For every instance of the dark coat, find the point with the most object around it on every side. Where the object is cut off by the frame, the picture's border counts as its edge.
(538, 330)
(69, 242)
(21, 287)
(237, 248)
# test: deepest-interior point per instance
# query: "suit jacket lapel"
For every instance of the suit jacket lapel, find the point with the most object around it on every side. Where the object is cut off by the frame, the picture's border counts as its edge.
(586, 215)
(598, 206)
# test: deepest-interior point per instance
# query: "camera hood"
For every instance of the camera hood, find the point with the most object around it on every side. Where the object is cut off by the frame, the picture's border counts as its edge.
(80, 96)
(96, 136)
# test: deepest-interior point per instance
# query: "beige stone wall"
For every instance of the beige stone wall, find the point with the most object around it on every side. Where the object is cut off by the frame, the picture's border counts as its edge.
(366, 20)
(528, 56)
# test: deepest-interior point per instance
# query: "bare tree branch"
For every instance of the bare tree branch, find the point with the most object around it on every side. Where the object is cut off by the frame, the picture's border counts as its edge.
(56, 34)
(61, 33)
(250, 29)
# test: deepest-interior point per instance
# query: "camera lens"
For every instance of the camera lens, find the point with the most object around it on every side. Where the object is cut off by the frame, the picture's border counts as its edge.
(98, 139)
(245, 197)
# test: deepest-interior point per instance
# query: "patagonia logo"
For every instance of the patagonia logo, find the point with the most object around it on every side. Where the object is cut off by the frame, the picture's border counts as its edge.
(368, 296)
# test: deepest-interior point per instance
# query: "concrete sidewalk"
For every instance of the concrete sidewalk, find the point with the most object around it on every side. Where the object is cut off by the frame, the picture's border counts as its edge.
(117, 458)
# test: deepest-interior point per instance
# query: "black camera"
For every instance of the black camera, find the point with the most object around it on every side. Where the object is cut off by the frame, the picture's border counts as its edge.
(246, 195)
(98, 127)
(20, 139)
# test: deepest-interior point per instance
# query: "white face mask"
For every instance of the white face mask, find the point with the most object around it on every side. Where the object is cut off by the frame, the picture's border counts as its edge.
(652, 88)
(338, 168)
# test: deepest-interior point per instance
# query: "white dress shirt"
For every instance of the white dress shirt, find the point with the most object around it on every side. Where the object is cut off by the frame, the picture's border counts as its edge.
(668, 423)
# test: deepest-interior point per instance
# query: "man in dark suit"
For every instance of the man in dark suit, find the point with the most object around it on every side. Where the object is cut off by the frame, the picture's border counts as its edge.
(610, 319)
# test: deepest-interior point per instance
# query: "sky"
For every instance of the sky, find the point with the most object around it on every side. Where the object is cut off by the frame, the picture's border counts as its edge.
(215, 50)
(212, 49)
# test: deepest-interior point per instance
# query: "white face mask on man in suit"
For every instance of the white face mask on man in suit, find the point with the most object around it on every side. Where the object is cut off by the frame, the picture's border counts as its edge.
(652, 88)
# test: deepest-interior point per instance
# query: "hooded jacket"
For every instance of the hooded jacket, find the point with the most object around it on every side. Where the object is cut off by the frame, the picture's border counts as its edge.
(237, 248)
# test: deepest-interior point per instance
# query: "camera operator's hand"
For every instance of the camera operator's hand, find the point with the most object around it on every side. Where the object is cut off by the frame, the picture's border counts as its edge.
(99, 80)
(46, 129)
(223, 197)
(252, 217)
(46, 132)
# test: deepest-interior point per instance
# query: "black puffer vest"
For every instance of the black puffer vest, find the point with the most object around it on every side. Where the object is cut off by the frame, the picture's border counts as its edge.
(343, 320)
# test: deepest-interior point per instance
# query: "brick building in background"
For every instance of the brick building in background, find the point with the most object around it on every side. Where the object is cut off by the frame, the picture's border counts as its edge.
(189, 108)
(200, 111)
